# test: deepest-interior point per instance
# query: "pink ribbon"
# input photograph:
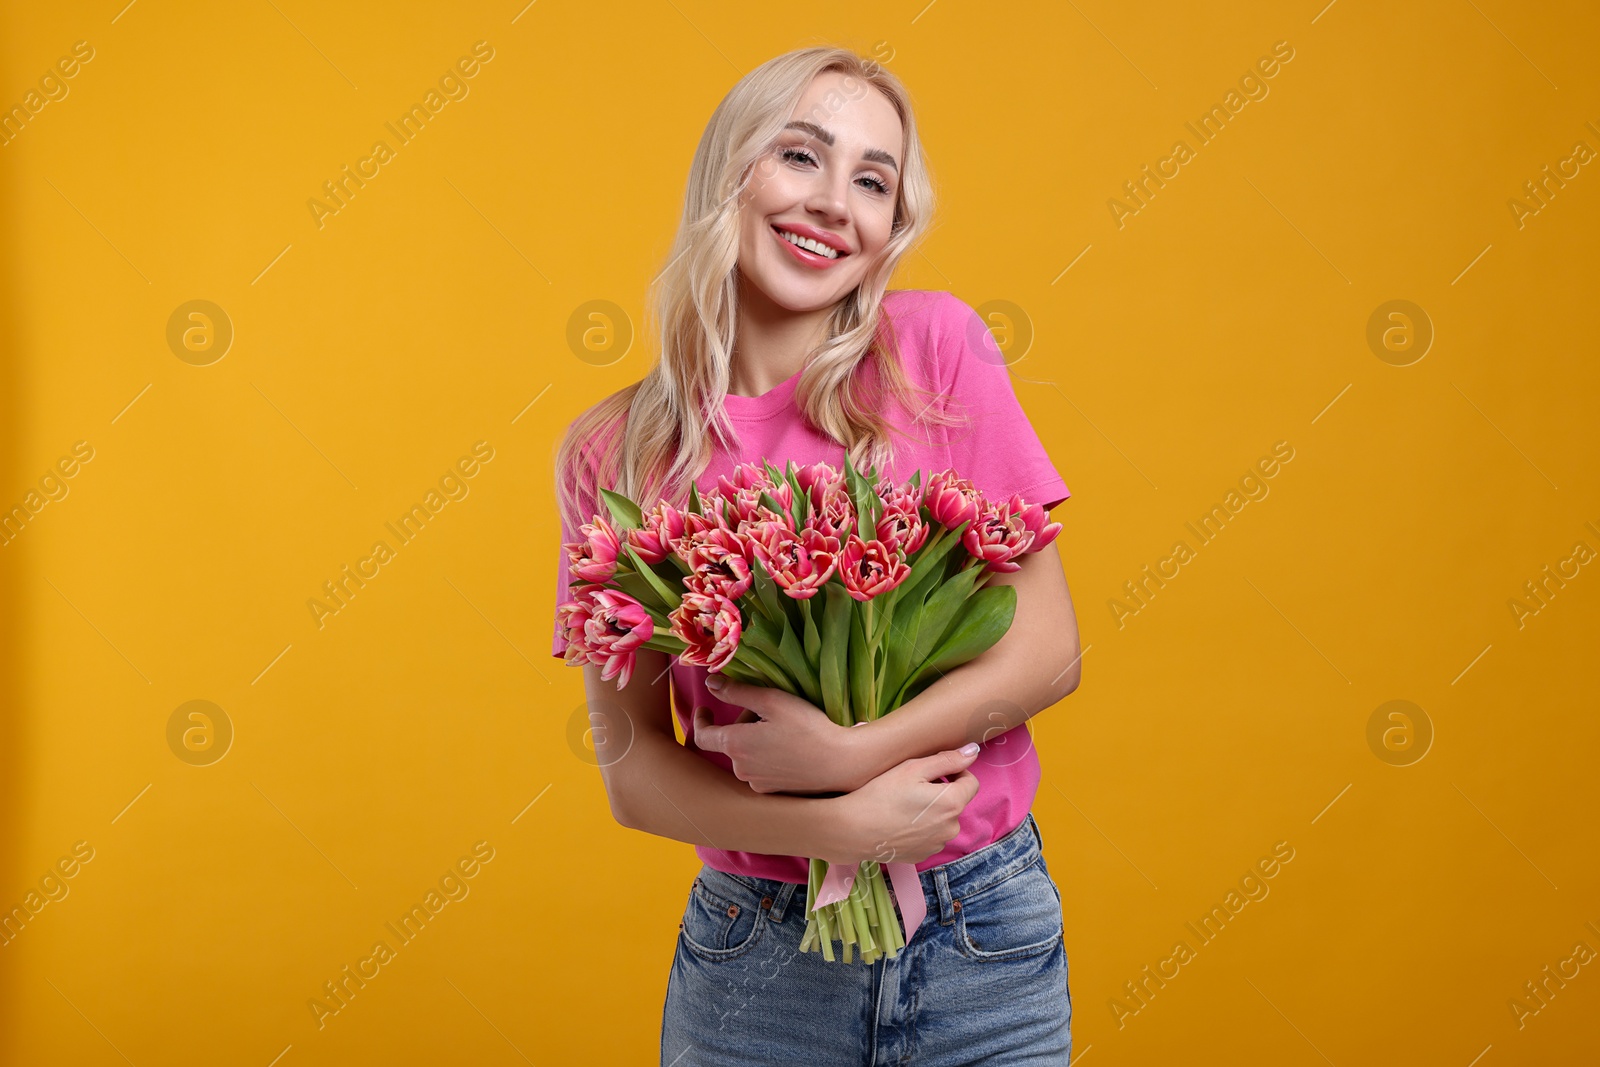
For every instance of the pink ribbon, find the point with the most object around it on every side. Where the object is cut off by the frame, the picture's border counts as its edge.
(902, 877)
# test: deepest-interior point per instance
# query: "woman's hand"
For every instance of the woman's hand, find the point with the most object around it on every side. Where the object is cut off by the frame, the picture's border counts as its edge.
(906, 814)
(782, 743)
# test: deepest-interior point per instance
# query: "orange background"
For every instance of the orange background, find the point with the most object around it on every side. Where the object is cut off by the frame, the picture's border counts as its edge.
(374, 749)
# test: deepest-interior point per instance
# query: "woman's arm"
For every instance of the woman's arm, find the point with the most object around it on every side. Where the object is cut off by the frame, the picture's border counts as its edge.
(907, 813)
(658, 786)
(796, 748)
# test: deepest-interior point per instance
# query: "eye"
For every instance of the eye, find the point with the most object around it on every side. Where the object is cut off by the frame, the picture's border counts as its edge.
(794, 154)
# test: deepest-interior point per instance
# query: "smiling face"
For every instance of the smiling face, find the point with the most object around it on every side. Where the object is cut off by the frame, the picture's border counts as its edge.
(819, 207)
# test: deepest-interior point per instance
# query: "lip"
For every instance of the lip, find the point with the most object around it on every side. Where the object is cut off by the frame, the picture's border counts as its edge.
(811, 259)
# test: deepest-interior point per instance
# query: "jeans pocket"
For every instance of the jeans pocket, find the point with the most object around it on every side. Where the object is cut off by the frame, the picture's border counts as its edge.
(721, 923)
(1016, 918)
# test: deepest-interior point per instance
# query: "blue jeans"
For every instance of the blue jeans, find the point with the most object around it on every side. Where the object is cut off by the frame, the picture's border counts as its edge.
(983, 981)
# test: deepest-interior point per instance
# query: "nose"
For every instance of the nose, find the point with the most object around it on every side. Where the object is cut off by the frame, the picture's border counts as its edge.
(828, 197)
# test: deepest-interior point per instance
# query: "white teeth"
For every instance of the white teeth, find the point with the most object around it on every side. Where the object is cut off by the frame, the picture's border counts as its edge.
(809, 245)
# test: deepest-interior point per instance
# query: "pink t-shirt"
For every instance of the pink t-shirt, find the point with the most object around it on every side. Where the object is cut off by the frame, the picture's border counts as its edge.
(942, 347)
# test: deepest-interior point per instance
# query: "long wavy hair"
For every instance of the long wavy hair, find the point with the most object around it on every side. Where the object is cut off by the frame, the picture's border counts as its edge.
(650, 440)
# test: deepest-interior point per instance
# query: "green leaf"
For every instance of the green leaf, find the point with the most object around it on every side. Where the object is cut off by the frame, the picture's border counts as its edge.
(861, 672)
(802, 501)
(624, 512)
(670, 597)
(694, 500)
(638, 587)
(771, 502)
(984, 620)
(794, 658)
(813, 640)
(940, 611)
(834, 661)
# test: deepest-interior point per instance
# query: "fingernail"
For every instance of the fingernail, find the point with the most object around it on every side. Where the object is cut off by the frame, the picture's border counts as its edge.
(969, 749)
(714, 681)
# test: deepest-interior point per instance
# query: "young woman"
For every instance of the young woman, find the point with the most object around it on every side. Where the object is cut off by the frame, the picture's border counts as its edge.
(778, 341)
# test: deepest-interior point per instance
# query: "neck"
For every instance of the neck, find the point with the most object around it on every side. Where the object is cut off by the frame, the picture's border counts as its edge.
(771, 342)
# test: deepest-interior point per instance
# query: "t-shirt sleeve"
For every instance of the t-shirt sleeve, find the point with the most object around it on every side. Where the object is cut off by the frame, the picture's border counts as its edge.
(998, 450)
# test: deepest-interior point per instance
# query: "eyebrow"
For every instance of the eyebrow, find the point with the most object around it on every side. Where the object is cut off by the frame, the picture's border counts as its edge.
(875, 155)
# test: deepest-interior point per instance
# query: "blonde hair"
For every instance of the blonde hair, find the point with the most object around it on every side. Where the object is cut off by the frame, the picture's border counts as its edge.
(650, 440)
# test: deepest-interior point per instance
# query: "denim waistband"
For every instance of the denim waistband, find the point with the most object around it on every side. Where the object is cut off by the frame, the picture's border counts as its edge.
(943, 885)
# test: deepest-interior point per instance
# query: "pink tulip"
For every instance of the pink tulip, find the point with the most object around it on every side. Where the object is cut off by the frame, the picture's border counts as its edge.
(800, 564)
(606, 627)
(833, 513)
(719, 562)
(952, 499)
(870, 568)
(594, 559)
(997, 538)
(663, 524)
(816, 474)
(1036, 519)
(709, 624)
(901, 522)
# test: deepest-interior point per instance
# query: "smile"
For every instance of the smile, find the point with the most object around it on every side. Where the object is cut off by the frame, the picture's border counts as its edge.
(808, 250)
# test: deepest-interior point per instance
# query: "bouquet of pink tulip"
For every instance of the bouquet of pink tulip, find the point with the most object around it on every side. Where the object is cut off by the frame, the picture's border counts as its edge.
(729, 585)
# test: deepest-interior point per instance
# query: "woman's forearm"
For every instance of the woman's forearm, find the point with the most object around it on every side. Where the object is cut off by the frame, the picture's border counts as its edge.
(671, 792)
